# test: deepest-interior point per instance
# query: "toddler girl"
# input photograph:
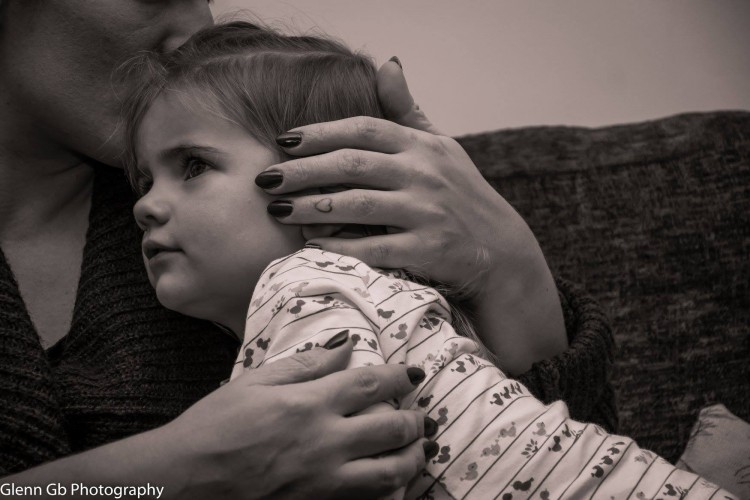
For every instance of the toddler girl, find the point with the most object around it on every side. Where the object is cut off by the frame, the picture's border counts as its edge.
(201, 126)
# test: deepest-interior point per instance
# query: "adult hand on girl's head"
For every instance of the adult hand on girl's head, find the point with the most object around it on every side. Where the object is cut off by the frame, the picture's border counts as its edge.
(282, 430)
(444, 220)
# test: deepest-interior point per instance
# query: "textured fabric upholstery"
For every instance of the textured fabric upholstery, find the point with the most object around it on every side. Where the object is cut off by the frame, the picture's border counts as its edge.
(653, 219)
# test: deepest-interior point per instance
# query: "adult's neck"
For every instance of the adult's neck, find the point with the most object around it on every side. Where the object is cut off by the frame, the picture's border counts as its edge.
(42, 183)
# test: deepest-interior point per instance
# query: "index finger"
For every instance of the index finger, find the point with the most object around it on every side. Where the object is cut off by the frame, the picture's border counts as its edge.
(351, 391)
(359, 132)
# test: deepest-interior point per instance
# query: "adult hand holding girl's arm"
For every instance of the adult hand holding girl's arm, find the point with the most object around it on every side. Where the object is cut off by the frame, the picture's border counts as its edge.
(444, 219)
(278, 431)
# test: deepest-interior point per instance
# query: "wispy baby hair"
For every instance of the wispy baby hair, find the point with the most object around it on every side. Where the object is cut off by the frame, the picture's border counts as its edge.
(255, 77)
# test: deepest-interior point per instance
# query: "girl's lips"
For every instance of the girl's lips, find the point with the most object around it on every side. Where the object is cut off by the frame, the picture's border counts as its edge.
(152, 248)
(160, 256)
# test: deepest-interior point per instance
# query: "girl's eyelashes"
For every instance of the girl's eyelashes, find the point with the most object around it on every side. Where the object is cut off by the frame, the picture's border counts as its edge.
(193, 166)
(143, 185)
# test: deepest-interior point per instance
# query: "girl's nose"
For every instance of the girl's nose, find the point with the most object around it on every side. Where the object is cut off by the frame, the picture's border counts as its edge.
(150, 211)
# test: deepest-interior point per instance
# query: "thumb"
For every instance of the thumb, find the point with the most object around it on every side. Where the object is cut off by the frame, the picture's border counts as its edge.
(304, 366)
(396, 100)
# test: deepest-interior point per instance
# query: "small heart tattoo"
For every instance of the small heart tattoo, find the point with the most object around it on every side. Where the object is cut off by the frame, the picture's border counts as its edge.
(325, 205)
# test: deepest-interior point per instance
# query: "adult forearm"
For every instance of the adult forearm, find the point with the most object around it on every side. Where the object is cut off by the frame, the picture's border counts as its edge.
(519, 315)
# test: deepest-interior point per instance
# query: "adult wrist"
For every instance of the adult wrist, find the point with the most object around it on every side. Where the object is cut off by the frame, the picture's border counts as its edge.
(519, 316)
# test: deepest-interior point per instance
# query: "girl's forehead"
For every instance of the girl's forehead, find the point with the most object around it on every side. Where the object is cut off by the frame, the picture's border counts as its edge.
(170, 118)
(170, 128)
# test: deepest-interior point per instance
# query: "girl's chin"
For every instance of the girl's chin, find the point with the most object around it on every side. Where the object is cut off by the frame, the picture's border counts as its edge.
(178, 301)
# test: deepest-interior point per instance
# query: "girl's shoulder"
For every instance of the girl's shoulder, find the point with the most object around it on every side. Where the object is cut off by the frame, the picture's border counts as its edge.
(326, 262)
(378, 285)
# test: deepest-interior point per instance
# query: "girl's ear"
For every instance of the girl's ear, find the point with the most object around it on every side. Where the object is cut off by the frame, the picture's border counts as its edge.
(396, 100)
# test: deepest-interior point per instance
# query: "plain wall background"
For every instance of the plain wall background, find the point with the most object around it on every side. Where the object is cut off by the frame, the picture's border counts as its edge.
(477, 65)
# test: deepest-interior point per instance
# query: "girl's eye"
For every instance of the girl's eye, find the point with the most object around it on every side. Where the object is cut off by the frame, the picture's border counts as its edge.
(143, 185)
(194, 167)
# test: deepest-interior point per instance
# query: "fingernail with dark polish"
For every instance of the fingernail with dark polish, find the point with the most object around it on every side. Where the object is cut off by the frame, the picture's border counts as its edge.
(337, 340)
(313, 245)
(397, 61)
(289, 139)
(280, 208)
(431, 449)
(416, 375)
(430, 427)
(269, 179)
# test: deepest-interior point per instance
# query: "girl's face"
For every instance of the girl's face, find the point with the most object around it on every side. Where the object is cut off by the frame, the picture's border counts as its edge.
(207, 233)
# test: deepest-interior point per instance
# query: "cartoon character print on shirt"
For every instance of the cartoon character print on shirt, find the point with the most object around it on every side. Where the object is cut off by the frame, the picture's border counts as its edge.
(605, 461)
(556, 444)
(279, 306)
(461, 368)
(508, 392)
(530, 449)
(443, 456)
(673, 491)
(508, 432)
(296, 309)
(325, 300)
(248, 361)
(429, 322)
(307, 346)
(402, 332)
(471, 472)
(523, 485)
(385, 314)
(424, 401)
(442, 416)
(363, 343)
(492, 450)
(297, 290)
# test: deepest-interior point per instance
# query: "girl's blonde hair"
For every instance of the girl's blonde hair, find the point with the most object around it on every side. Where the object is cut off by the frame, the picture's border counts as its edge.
(267, 83)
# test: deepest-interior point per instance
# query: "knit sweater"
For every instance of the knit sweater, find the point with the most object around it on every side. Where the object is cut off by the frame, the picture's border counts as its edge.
(128, 365)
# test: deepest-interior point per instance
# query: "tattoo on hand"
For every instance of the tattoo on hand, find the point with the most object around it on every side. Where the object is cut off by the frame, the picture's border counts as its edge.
(325, 205)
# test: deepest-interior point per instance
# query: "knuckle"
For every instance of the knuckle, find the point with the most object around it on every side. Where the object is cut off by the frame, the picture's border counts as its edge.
(438, 144)
(352, 163)
(398, 431)
(433, 212)
(413, 135)
(379, 252)
(300, 171)
(432, 179)
(389, 478)
(362, 205)
(366, 127)
(443, 239)
(297, 405)
(367, 383)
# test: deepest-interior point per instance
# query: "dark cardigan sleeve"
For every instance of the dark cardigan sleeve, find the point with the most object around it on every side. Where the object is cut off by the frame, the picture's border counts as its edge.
(580, 376)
